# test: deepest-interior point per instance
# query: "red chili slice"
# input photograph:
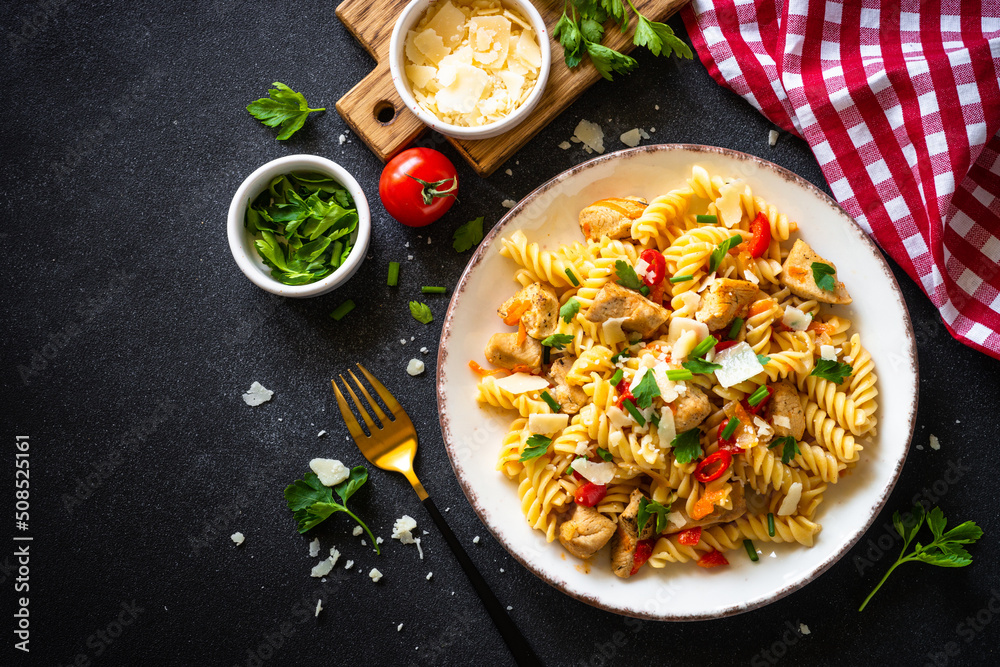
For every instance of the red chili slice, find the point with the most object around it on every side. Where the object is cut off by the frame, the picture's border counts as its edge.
(657, 266)
(712, 559)
(719, 347)
(590, 494)
(643, 550)
(704, 472)
(689, 537)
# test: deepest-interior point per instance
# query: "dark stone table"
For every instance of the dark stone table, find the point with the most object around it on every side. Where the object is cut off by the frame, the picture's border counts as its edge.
(129, 335)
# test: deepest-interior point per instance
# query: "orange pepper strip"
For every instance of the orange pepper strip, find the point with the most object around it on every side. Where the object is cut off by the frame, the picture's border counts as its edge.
(515, 312)
(759, 307)
(706, 504)
(820, 327)
(522, 334)
(480, 371)
(614, 206)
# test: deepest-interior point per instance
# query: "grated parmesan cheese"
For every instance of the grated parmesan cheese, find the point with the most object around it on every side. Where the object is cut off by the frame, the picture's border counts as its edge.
(402, 530)
(803, 628)
(322, 568)
(782, 421)
(375, 575)
(590, 135)
(429, 575)
(631, 138)
(508, 203)
(314, 548)
(357, 531)
(772, 137)
(791, 501)
(330, 471)
(415, 367)
(319, 603)
(935, 443)
(257, 394)
(565, 145)
(237, 538)
(475, 540)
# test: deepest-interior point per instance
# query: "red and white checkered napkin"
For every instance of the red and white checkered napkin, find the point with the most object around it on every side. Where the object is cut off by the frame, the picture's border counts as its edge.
(900, 103)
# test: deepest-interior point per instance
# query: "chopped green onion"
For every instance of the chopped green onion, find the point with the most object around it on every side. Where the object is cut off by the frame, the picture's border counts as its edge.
(546, 355)
(770, 524)
(764, 361)
(655, 420)
(547, 397)
(758, 396)
(342, 310)
(621, 355)
(644, 290)
(751, 551)
(617, 377)
(569, 470)
(393, 274)
(572, 278)
(707, 219)
(734, 330)
(605, 454)
(634, 411)
(678, 375)
(681, 279)
(702, 348)
(727, 433)
(722, 250)
(433, 290)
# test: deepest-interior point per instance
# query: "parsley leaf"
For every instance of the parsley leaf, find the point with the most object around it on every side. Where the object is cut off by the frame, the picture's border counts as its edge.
(534, 446)
(312, 503)
(659, 37)
(698, 365)
(568, 34)
(789, 448)
(591, 29)
(823, 275)
(605, 454)
(832, 370)
(722, 250)
(421, 312)
(646, 390)
(764, 361)
(626, 275)
(468, 235)
(569, 309)
(558, 341)
(608, 60)
(687, 446)
(648, 508)
(945, 550)
(284, 107)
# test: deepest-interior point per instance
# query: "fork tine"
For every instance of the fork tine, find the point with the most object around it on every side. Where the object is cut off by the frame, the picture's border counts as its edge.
(389, 400)
(352, 423)
(361, 409)
(371, 401)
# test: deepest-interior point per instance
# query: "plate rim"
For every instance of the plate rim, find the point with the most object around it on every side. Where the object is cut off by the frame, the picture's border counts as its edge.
(480, 255)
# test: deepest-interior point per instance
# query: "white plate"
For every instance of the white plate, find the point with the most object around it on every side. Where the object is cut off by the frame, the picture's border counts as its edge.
(681, 591)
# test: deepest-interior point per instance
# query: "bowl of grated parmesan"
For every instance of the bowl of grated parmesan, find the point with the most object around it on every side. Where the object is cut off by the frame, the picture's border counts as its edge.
(470, 69)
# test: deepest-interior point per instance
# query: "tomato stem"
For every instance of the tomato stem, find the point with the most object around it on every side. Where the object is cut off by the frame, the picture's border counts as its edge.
(433, 189)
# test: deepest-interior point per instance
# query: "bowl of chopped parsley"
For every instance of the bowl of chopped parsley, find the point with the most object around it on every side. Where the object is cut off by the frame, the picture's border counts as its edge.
(299, 226)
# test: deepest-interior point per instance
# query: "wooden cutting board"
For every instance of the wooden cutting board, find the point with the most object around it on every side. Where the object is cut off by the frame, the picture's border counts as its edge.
(377, 114)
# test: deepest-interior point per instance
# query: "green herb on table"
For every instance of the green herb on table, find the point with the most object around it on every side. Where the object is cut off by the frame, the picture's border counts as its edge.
(340, 311)
(313, 503)
(534, 446)
(468, 235)
(302, 225)
(430, 289)
(945, 550)
(421, 312)
(393, 278)
(580, 30)
(283, 107)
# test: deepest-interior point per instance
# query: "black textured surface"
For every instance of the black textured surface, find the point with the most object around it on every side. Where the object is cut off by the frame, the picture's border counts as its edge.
(124, 139)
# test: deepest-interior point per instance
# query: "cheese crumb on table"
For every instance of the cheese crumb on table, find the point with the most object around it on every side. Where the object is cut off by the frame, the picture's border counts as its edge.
(378, 540)
(935, 443)
(375, 574)
(402, 529)
(590, 135)
(237, 538)
(319, 603)
(772, 137)
(415, 367)
(314, 548)
(330, 471)
(508, 172)
(322, 568)
(357, 531)
(348, 565)
(257, 394)
(321, 434)
(508, 203)
(565, 145)
(429, 575)
(475, 540)
(420, 551)
(334, 555)
(399, 628)
(804, 629)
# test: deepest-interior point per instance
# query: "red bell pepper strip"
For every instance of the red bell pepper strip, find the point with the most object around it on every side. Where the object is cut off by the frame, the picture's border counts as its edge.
(643, 550)
(689, 537)
(712, 559)
(590, 494)
(758, 244)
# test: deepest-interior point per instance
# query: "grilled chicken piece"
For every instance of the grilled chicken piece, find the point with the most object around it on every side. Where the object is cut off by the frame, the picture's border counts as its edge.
(570, 398)
(502, 350)
(627, 537)
(542, 315)
(611, 217)
(690, 409)
(726, 300)
(797, 275)
(614, 301)
(718, 515)
(785, 402)
(585, 532)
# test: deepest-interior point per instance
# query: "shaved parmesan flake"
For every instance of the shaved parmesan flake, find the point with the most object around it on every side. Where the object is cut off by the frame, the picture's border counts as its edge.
(795, 319)
(826, 352)
(791, 501)
(749, 275)
(667, 430)
(322, 568)
(314, 548)
(728, 203)
(676, 519)
(631, 138)
(547, 424)
(764, 430)
(612, 329)
(772, 139)
(375, 575)
(520, 383)
(678, 325)
(782, 421)
(415, 367)
(935, 443)
(237, 538)
(641, 267)
(682, 348)
(598, 473)
(257, 394)
(590, 135)
(403, 529)
(330, 471)
(739, 363)
(565, 145)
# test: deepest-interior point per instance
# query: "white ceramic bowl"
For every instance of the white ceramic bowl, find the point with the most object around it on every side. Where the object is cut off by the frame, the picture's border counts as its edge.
(410, 16)
(681, 592)
(241, 241)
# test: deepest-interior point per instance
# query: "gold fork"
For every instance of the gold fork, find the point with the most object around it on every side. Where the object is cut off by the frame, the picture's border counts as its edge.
(392, 446)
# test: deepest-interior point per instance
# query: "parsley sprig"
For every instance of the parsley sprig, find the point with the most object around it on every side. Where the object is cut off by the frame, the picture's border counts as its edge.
(580, 30)
(534, 446)
(647, 508)
(687, 446)
(823, 275)
(832, 370)
(627, 276)
(789, 448)
(945, 550)
(313, 503)
(468, 235)
(569, 309)
(283, 107)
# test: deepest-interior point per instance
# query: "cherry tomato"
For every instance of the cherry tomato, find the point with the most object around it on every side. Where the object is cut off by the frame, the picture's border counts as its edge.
(418, 186)
(590, 494)
(643, 550)
(657, 266)
(689, 537)
(705, 472)
(758, 244)
(712, 559)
